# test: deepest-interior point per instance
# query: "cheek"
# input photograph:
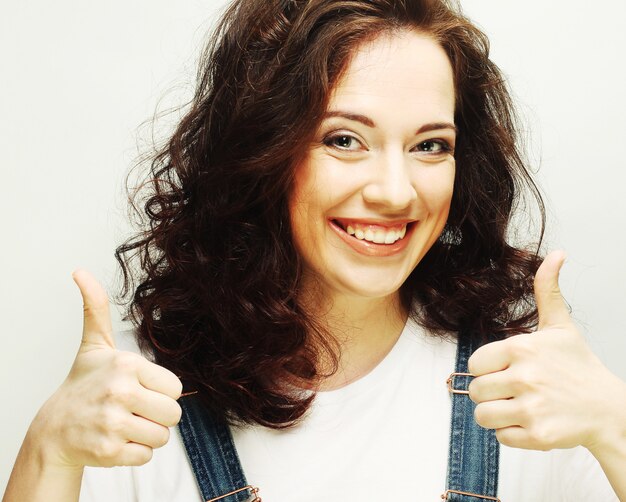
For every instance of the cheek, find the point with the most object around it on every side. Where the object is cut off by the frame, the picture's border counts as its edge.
(306, 204)
(435, 189)
(315, 189)
(300, 224)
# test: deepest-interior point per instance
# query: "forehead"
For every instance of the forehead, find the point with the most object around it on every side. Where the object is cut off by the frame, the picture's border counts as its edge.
(404, 73)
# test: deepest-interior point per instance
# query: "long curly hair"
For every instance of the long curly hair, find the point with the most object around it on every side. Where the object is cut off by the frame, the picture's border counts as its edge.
(213, 267)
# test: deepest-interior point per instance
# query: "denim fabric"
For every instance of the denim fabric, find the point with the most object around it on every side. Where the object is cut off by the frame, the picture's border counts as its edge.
(212, 453)
(474, 451)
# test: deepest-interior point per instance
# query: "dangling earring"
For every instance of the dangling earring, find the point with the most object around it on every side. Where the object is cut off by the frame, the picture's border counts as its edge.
(451, 236)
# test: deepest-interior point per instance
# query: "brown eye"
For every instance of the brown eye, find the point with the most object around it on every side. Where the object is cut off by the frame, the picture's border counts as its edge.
(343, 142)
(433, 146)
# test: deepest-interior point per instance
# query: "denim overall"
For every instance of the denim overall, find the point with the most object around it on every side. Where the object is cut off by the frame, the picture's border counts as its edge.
(472, 461)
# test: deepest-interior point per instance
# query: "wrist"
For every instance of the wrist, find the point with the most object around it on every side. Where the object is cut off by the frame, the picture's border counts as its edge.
(609, 438)
(43, 443)
(45, 455)
(35, 477)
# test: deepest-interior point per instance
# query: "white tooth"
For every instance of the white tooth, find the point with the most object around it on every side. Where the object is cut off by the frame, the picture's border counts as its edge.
(391, 237)
(359, 234)
(350, 230)
(403, 232)
(379, 237)
(369, 235)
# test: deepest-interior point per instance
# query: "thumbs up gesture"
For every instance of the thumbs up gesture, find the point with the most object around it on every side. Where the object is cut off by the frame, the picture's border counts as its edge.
(546, 389)
(114, 407)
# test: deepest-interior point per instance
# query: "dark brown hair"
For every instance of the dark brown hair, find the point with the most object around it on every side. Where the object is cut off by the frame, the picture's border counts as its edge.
(214, 271)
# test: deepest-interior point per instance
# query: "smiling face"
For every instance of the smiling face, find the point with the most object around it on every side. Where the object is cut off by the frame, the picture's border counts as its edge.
(374, 192)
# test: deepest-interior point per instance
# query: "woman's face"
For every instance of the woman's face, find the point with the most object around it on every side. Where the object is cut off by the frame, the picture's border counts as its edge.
(374, 193)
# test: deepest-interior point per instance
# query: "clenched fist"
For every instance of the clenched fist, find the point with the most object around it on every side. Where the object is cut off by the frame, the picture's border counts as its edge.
(114, 407)
(547, 389)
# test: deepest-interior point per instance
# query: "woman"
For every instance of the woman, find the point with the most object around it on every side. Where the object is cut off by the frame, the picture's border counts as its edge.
(327, 222)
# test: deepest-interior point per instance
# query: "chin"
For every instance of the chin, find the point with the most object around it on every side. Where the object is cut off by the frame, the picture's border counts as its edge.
(371, 288)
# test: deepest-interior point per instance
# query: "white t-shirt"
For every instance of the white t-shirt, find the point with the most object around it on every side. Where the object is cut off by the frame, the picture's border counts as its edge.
(383, 437)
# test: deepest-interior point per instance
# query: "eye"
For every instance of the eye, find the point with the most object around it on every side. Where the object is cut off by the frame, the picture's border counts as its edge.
(433, 146)
(343, 142)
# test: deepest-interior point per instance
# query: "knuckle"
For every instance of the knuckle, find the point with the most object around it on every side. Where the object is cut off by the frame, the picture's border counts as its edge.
(107, 452)
(472, 363)
(524, 414)
(535, 407)
(177, 386)
(541, 438)
(525, 417)
(137, 456)
(173, 385)
(145, 456)
(163, 437)
(474, 391)
(175, 413)
(504, 437)
(480, 415)
(119, 393)
(125, 362)
(110, 422)
(523, 379)
(522, 347)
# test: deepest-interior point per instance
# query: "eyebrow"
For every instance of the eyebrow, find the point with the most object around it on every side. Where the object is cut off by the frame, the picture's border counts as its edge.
(350, 116)
(433, 126)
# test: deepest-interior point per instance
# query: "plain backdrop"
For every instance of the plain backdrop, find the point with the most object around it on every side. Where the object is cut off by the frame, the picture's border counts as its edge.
(77, 79)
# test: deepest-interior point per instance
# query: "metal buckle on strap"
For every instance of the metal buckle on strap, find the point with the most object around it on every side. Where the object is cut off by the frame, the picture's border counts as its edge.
(253, 493)
(188, 392)
(448, 492)
(450, 382)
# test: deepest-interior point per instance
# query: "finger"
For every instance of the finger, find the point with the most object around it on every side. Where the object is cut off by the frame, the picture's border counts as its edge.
(497, 414)
(126, 453)
(157, 408)
(489, 358)
(159, 379)
(145, 432)
(134, 454)
(519, 437)
(491, 387)
(551, 307)
(97, 329)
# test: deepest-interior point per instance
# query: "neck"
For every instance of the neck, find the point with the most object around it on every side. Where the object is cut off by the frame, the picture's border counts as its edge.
(365, 330)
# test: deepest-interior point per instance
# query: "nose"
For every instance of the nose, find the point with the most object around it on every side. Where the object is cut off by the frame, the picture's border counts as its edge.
(390, 186)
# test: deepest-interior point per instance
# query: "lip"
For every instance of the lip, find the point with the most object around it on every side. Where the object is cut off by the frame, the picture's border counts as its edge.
(371, 248)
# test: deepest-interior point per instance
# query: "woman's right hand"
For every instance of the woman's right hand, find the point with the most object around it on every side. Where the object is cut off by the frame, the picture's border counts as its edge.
(114, 407)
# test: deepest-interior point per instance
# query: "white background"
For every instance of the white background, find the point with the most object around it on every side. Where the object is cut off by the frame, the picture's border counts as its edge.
(78, 78)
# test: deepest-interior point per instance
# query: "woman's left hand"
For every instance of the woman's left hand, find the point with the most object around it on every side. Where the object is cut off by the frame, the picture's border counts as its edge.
(547, 389)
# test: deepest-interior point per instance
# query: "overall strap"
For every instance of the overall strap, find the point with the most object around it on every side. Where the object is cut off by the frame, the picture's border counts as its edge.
(211, 451)
(474, 454)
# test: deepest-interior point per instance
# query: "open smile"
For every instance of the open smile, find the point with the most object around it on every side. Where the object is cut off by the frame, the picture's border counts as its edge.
(374, 238)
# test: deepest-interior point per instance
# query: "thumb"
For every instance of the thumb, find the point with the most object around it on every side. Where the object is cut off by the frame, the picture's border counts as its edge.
(97, 329)
(551, 307)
